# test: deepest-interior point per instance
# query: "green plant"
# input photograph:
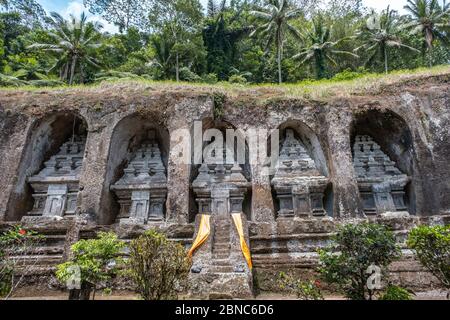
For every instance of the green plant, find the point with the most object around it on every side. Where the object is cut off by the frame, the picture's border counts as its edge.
(379, 35)
(320, 48)
(219, 101)
(74, 43)
(158, 266)
(210, 78)
(96, 260)
(277, 16)
(187, 75)
(15, 243)
(347, 75)
(237, 79)
(304, 290)
(396, 293)
(432, 247)
(354, 248)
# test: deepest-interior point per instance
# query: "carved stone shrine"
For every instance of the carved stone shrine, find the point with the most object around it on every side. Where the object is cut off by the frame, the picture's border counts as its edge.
(142, 190)
(381, 184)
(297, 182)
(55, 188)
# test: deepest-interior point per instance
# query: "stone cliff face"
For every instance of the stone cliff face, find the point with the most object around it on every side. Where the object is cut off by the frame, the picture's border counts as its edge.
(408, 121)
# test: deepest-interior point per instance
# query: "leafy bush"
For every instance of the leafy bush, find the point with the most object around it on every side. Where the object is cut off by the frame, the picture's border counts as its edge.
(187, 75)
(96, 260)
(347, 75)
(158, 266)
(396, 293)
(355, 247)
(432, 247)
(210, 78)
(304, 290)
(237, 79)
(15, 243)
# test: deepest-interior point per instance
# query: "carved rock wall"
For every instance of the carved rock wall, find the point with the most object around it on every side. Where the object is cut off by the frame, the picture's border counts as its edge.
(409, 121)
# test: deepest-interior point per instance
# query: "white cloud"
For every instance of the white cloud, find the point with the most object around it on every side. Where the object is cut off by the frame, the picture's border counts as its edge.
(76, 7)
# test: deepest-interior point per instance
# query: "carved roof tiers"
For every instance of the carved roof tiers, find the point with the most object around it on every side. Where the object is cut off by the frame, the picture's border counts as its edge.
(295, 166)
(226, 175)
(145, 169)
(65, 166)
(372, 164)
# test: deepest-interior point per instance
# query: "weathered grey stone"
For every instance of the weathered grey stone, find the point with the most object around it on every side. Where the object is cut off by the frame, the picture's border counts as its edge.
(297, 182)
(142, 190)
(56, 186)
(409, 120)
(380, 183)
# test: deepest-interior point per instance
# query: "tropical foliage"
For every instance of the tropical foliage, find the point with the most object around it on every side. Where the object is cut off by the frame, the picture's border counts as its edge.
(240, 41)
(357, 252)
(16, 243)
(432, 247)
(93, 261)
(158, 267)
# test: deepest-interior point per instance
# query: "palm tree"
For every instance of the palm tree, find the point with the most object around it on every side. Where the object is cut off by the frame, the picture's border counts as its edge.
(380, 34)
(163, 48)
(320, 48)
(428, 19)
(277, 16)
(74, 43)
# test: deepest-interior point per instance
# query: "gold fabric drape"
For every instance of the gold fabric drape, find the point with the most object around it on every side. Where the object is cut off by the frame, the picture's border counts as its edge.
(203, 233)
(245, 250)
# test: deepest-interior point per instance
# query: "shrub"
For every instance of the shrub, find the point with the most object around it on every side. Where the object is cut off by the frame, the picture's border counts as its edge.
(237, 79)
(354, 249)
(347, 75)
(432, 247)
(15, 243)
(396, 293)
(304, 290)
(158, 266)
(187, 75)
(93, 261)
(210, 78)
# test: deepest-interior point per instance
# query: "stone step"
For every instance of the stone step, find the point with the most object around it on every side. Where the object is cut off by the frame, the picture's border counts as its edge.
(46, 250)
(222, 240)
(221, 269)
(222, 232)
(221, 246)
(221, 262)
(40, 260)
(221, 255)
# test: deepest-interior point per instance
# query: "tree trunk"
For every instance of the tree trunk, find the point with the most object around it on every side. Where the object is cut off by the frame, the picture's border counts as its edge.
(177, 68)
(386, 67)
(72, 69)
(319, 65)
(81, 294)
(279, 53)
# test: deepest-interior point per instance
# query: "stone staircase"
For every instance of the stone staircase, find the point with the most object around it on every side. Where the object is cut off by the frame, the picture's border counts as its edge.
(43, 259)
(221, 246)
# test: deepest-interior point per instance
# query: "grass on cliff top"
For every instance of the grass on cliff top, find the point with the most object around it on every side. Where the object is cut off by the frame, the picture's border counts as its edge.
(308, 89)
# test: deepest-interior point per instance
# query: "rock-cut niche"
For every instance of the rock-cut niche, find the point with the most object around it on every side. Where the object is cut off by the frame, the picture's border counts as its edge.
(221, 184)
(51, 167)
(383, 162)
(137, 173)
(300, 182)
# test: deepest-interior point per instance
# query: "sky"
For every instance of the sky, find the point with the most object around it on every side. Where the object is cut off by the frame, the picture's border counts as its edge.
(75, 7)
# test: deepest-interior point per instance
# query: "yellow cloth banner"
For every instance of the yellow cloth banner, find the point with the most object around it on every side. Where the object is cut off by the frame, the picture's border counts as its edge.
(245, 250)
(203, 233)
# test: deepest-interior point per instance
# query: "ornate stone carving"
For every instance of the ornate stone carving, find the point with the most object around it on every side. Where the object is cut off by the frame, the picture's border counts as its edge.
(142, 190)
(298, 184)
(220, 187)
(55, 188)
(381, 184)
